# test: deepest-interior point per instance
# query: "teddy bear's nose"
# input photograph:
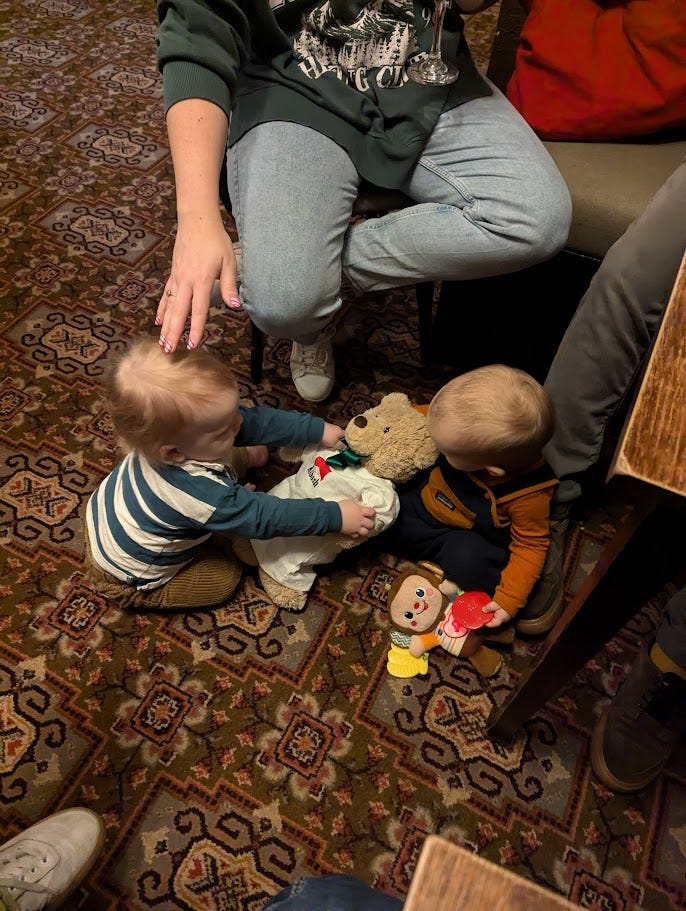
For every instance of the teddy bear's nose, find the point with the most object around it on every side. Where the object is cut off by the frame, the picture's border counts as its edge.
(360, 421)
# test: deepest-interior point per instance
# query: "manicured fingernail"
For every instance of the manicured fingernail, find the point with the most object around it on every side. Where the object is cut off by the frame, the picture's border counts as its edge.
(234, 302)
(158, 321)
(162, 341)
(190, 344)
(168, 347)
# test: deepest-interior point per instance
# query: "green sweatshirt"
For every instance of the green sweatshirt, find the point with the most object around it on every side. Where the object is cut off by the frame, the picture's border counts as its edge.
(337, 66)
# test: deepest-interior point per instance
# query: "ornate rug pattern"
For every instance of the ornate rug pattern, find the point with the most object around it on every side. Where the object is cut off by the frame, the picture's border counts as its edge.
(229, 751)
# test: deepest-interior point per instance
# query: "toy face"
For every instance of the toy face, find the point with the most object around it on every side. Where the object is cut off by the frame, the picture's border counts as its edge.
(417, 604)
(367, 432)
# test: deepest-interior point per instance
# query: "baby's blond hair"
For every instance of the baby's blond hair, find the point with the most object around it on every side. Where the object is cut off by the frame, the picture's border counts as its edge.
(151, 395)
(496, 412)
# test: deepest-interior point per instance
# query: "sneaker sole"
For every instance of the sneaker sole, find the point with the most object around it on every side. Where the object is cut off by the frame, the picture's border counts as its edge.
(600, 769)
(543, 624)
(86, 867)
(313, 399)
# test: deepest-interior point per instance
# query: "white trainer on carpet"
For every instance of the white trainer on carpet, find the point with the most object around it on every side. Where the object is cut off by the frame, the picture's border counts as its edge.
(41, 867)
(313, 368)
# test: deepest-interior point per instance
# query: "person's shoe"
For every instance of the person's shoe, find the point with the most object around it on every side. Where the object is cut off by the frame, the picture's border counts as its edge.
(546, 602)
(41, 867)
(312, 366)
(635, 736)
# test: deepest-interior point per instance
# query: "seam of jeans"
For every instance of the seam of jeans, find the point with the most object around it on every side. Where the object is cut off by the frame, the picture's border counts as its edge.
(469, 212)
(449, 178)
(236, 203)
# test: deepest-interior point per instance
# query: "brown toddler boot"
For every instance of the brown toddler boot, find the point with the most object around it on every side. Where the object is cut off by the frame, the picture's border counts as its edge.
(546, 602)
(637, 733)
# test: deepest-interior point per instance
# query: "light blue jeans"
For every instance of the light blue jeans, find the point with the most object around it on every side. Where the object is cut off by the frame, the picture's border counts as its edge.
(489, 200)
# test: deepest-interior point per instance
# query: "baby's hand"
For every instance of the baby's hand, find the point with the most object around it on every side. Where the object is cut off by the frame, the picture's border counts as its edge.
(500, 616)
(357, 519)
(332, 436)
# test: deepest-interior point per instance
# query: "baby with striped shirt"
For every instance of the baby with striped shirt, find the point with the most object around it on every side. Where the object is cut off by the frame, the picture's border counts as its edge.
(158, 527)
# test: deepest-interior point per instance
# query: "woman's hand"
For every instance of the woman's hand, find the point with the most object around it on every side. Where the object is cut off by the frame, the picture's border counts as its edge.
(203, 252)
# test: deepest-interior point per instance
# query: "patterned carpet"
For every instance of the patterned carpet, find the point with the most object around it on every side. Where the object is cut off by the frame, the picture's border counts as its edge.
(231, 750)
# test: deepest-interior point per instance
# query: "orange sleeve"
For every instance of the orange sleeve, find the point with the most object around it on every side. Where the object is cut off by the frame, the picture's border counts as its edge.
(429, 640)
(529, 538)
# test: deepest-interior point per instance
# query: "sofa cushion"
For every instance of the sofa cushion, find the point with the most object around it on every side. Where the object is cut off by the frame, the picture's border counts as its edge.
(597, 72)
(610, 185)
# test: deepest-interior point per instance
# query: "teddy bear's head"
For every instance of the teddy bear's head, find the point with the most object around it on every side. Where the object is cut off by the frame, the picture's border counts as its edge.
(392, 438)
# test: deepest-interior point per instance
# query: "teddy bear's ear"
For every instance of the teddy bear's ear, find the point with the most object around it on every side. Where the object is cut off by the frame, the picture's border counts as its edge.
(395, 400)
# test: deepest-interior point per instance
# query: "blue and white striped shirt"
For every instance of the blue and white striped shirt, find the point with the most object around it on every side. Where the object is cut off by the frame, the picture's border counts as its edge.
(146, 521)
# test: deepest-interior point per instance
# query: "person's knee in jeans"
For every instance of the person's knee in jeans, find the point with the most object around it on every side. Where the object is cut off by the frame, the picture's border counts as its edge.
(294, 300)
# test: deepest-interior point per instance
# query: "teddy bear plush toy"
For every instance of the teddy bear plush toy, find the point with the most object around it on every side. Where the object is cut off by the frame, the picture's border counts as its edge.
(426, 610)
(387, 444)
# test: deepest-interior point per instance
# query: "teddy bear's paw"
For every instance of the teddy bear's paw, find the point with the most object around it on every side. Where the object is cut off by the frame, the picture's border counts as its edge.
(243, 549)
(286, 598)
(346, 542)
(290, 453)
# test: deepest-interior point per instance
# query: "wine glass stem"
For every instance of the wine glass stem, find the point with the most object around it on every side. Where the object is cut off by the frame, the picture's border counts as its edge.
(440, 6)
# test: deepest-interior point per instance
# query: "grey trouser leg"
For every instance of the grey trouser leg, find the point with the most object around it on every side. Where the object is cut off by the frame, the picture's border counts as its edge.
(612, 330)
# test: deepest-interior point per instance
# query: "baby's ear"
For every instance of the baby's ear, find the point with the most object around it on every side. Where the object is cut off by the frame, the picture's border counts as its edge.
(169, 453)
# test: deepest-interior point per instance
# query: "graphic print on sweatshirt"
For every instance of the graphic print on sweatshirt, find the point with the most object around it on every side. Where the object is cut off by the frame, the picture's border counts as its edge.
(364, 44)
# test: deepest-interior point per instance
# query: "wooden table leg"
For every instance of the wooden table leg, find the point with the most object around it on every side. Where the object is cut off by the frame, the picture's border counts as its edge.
(631, 568)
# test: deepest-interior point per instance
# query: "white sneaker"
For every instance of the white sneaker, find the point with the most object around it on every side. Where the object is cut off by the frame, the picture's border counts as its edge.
(40, 867)
(312, 366)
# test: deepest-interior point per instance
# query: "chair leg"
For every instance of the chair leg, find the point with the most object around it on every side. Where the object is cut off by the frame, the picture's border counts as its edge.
(256, 353)
(425, 302)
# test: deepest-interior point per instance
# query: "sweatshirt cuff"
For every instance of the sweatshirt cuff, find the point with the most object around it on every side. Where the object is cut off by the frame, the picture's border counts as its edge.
(315, 431)
(335, 516)
(508, 603)
(183, 79)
